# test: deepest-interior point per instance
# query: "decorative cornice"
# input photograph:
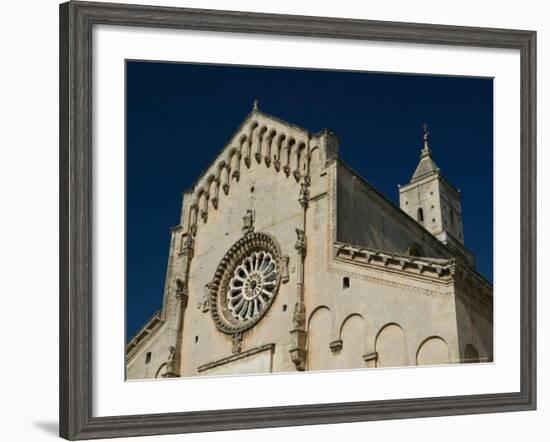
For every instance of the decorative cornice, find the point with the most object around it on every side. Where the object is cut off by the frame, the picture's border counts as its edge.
(432, 268)
(144, 334)
(236, 357)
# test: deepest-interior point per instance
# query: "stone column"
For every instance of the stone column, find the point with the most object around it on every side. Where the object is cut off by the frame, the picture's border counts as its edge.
(173, 363)
(298, 334)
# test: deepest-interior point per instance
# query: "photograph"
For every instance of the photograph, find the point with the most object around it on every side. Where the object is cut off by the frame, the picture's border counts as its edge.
(284, 219)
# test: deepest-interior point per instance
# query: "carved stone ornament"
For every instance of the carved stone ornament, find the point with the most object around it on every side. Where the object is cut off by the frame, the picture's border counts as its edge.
(188, 244)
(205, 304)
(299, 316)
(246, 283)
(171, 369)
(181, 292)
(300, 245)
(304, 194)
(248, 222)
(336, 346)
(237, 343)
(286, 260)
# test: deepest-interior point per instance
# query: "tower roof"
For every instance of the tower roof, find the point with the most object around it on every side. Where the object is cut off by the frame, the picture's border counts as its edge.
(426, 165)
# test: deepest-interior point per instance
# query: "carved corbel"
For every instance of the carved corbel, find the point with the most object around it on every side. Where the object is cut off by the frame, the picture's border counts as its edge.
(236, 174)
(204, 210)
(172, 369)
(370, 359)
(276, 163)
(336, 346)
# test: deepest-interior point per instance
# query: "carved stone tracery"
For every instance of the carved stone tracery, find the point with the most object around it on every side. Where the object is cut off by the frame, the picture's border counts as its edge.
(246, 283)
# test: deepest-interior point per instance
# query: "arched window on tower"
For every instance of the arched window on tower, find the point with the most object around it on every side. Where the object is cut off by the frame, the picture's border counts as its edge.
(420, 215)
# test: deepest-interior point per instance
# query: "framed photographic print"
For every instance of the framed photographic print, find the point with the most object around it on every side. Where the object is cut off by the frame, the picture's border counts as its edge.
(272, 220)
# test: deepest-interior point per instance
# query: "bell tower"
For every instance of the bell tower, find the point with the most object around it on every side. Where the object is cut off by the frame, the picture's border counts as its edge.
(433, 202)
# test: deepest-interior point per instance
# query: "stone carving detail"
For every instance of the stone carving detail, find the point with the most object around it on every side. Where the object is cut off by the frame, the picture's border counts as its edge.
(237, 343)
(299, 316)
(188, 244)
(301, 242)
(252, 286)
(373, 356)
(286, 260)
(171, 364)
(304, 194)
(245, 283)
(181, 292)
(204, 305)
(248, 222)
(336, 346)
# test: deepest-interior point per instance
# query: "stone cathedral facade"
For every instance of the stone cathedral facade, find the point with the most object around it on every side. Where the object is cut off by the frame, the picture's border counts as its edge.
(285, 259)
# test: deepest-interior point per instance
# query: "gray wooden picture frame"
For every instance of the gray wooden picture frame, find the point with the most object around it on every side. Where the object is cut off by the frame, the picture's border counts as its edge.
(76, 243)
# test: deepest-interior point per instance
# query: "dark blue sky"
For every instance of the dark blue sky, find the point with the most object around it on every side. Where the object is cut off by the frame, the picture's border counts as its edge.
(180, 115)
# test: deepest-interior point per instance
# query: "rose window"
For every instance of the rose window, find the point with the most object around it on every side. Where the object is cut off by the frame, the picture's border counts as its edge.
(252, 287)
(245, 283)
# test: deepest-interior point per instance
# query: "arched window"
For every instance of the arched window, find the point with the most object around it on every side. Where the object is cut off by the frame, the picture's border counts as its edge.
(452, 217)
(415, 250)
(420, 215)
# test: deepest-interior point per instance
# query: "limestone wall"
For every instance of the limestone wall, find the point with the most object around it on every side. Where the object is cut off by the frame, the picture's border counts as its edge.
(365, 217)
